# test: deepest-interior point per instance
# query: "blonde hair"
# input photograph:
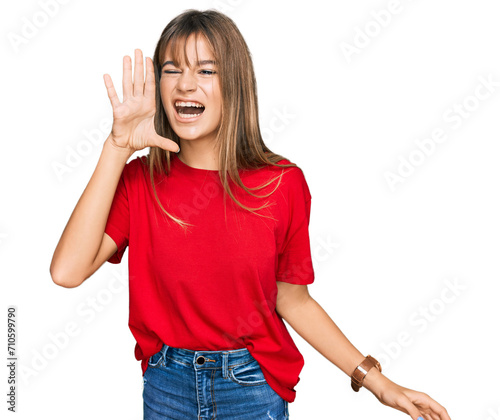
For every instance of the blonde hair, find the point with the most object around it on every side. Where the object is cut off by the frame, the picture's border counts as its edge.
(238, 141)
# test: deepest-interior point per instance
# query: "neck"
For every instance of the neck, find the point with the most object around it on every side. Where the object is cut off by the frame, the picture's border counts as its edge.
(198, 154)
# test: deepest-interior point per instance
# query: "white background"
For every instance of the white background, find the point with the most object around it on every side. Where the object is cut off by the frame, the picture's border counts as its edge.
(381, 255)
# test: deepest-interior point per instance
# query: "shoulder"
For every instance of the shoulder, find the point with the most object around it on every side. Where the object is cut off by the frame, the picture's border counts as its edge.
(293, 180)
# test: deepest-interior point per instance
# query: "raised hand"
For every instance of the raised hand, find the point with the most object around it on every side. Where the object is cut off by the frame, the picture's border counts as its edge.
(133, 119)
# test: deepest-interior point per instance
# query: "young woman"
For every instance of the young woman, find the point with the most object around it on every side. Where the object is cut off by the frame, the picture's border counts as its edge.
(217, 230)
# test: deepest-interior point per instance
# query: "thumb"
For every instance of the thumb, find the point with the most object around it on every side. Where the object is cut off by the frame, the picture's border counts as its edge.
(165, 144)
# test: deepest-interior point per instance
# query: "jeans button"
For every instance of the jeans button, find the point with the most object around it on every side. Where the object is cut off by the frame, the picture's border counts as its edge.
(200, 360)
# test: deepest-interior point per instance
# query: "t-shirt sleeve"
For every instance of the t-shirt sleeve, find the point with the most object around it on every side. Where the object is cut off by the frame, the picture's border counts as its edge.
(118, 223)
(294, 252)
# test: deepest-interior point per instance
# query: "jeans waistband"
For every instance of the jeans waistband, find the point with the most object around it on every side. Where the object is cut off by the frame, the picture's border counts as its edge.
(207, 358)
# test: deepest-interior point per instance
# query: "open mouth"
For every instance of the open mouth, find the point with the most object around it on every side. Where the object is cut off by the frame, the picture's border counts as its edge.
(189, 109)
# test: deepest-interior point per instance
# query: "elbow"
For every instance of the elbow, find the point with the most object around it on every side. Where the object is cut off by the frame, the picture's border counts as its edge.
(66, 284)
(62, 279)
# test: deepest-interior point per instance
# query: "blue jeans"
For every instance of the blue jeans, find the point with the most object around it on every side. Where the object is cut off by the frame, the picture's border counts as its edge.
(181, 384)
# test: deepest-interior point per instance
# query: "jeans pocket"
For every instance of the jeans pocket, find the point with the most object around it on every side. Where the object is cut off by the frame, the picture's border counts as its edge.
(156, 360)
(249, 374)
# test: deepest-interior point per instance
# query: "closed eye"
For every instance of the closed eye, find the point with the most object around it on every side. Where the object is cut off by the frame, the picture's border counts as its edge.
(205, 72)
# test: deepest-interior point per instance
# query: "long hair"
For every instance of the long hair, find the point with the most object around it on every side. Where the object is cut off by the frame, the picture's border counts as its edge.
(239, 142)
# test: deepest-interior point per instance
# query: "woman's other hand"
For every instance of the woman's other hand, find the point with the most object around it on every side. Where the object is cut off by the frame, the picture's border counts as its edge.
(417, 405)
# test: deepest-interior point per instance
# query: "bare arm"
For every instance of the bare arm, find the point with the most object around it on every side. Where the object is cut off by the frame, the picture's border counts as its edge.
(313, 324)
(299, 309)
(76, 252)
(84, 246)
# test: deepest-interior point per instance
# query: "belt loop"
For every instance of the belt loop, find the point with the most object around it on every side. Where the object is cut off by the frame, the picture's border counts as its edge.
(224, 365)
(164, 350)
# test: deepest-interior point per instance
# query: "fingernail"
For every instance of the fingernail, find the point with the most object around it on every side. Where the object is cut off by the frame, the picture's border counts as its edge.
(420, 418)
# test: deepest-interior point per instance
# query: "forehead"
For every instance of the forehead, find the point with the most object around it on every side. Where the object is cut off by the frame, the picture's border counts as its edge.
(188, 49)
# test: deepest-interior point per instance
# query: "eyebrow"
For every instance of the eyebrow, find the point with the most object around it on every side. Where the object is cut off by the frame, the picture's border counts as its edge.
(199, 63)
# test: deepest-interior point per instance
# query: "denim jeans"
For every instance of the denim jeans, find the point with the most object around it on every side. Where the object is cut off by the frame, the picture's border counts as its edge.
(181, 384)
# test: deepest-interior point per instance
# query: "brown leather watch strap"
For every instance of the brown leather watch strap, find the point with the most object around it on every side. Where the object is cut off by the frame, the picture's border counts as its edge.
(358, 375)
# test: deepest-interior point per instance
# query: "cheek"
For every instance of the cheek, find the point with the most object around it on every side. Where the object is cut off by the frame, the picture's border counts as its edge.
(216, 94)
(219, 104)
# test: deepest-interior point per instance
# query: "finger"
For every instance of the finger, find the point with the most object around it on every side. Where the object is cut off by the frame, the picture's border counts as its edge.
(435, 410)
(127, 77)
(165, 144)
(138, 74)
(149, 88)
(410, 408)
(438, 411)
(113, 97)
(433, 416)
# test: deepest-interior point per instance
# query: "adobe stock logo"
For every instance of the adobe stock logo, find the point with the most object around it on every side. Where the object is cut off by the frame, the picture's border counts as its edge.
(30, 27)
(277, 123)
(226, 6)
(86, 313)
(493, 415)
(373, 28)
(92, 141)
(455, 116)
(420, 319)
(2, 237)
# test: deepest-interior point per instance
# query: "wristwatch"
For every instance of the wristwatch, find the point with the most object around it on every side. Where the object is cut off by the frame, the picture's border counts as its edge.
(358, 375)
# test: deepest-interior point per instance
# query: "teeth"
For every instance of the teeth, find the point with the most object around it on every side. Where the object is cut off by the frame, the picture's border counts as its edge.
(188, 115)
(192, 104)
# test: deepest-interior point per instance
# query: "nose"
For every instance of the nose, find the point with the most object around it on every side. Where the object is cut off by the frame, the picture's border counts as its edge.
(186, 81)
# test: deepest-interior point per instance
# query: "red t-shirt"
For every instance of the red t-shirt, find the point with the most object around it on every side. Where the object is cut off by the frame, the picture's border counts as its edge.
(213, 287)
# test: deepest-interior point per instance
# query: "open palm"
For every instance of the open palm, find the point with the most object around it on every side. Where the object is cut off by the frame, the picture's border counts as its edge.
(133, 119)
